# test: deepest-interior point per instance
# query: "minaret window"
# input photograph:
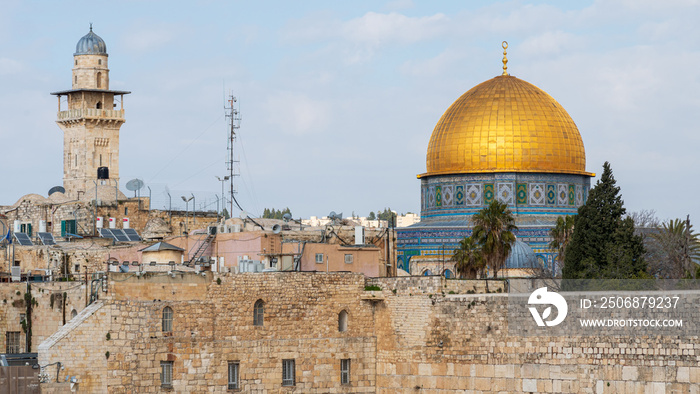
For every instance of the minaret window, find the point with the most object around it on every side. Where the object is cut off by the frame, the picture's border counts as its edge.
(99, 62)
(76, 79)
(76, 62)
(99, 80)
(99, 104)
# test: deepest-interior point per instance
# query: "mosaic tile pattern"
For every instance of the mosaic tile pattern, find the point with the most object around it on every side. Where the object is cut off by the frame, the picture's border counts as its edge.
(551, 195)
(473, 194)
(537, 195)
(438, 196)
(579, 195)
(447, 195)
(506, 193)
(521, 193)
(459, 195)
(562, 194)
(488, 193)
(572, 194)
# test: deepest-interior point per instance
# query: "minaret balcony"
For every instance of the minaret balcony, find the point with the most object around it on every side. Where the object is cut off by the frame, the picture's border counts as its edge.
(91, 113)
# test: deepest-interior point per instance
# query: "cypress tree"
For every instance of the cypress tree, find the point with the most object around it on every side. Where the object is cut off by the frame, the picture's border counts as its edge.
(603, 244)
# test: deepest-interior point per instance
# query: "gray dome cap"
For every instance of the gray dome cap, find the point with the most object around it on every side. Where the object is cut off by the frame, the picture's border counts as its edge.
(91, 44)
(521, 256)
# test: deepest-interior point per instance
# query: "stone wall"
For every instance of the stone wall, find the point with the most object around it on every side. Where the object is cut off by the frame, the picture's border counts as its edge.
(212, 325)
(48, 315)
(413, 335)
(461, 342)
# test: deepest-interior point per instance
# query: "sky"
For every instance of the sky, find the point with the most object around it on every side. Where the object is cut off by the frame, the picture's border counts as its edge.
(338, 99)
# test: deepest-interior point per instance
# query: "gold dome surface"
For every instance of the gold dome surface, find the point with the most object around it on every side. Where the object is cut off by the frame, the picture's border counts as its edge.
(505, 125)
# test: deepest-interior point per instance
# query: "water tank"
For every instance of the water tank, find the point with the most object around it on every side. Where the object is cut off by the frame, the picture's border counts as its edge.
(16, 226)
(359, 235)
(99, 222)
(112, 223)
(125, 223)
(102, 173)
(42, 226)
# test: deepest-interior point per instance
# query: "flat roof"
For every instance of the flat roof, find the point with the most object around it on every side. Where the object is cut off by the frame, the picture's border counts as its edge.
(63, 92)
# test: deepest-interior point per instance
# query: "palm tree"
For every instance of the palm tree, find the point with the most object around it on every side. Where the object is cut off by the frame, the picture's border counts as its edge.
(561, 235)
(493, 230)
(678, 246)
(469, 261)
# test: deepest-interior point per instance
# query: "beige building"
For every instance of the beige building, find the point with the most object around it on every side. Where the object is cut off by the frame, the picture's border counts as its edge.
(90, 120)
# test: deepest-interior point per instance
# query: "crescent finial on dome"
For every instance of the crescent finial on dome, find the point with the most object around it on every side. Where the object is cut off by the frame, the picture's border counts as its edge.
(505, 59)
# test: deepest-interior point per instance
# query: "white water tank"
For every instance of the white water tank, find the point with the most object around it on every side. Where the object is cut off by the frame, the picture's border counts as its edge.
(99, 222)
(125, 223)
(42, 226)
(16, 226)
(112, 223)
(359, 235)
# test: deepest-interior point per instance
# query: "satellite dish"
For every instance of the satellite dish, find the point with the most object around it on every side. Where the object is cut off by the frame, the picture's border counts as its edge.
(287, 217)
(56, 189)
(332, 215)
(134, 185)
(244, 215)
(276, 228)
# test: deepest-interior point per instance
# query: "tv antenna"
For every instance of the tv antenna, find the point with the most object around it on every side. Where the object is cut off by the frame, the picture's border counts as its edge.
(232, 165)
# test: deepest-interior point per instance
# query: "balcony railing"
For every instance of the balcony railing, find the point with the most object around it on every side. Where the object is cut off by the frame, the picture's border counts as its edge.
(91, 113)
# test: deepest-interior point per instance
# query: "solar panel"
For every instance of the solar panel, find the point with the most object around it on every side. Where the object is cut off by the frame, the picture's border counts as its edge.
(119, 235)
(23, 239)
(107, 233)
(46, 238)
(132, 234)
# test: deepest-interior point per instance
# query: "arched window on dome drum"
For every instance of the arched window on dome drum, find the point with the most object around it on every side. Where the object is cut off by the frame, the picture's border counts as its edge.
(167, 323)
(343, 321)
(427, 272)
(99, 80)
(448, 274)
(259, 313)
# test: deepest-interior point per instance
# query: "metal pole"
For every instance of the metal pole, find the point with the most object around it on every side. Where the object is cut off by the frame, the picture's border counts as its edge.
(194, 210)
(170, 210)
(94, 212)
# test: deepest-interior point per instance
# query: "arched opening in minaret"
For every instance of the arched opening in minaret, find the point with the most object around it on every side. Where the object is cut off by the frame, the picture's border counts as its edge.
(99, 80)
(99, 105)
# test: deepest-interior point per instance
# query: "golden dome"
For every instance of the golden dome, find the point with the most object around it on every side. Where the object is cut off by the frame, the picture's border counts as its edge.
(505, 125)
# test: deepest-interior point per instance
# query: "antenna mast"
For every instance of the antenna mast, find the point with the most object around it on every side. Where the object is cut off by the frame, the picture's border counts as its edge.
(232, 165)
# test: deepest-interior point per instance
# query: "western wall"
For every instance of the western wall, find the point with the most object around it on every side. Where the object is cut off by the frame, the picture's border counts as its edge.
(416, 334)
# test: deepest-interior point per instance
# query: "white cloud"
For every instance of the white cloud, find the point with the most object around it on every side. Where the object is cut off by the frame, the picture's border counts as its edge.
(295, 113)
(549, 43)
(434, 66)
(376, 29)
(9, 66)
(149, 38)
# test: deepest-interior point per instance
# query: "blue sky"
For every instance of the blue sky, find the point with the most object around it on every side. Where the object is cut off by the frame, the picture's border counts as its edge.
(339, 99)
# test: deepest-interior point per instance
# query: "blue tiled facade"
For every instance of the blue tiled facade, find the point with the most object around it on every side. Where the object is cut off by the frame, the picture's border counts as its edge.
(448, 201)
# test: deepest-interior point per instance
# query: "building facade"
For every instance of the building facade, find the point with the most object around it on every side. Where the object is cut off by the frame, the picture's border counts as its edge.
(506, 140)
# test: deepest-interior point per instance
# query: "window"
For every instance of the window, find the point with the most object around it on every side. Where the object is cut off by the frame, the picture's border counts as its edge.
(77, 268)
(12, 342)
(319, 258)
(73, 313)
(99, 104)
(258, 313)
(233, 368)
(167, 319)
(76, 62)
(343, 321)
(166, 373)
(345, 371)
(99, 81)
(288, 373)
(76, 79)
(99, 62)
(22, 317)
(348, 259)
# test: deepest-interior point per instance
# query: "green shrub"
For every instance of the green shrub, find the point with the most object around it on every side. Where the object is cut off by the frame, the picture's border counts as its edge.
(372, 288)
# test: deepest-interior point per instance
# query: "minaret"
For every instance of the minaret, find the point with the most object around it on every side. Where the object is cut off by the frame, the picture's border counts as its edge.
(91, 121)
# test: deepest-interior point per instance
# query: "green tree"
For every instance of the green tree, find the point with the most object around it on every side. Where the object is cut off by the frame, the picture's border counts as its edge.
(677, 245)
(493, 231)
(469, 261)
(275, 214)
(603, 244)
(371, 216)
(561, 235)
(225, 214)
